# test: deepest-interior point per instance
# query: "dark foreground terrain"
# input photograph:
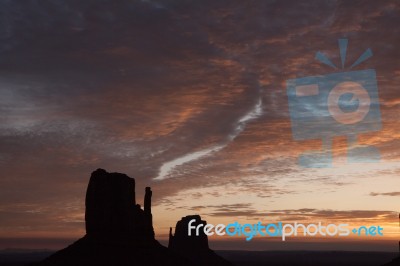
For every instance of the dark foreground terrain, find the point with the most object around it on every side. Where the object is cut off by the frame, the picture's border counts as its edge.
(245, 258)
(307, 258)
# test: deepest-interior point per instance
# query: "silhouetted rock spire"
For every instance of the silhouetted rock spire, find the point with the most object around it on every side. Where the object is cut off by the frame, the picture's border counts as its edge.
(147, 200)
(148, 217)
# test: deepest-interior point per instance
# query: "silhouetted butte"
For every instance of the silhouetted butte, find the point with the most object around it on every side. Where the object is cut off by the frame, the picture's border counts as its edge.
(194, 247)
(118, 231)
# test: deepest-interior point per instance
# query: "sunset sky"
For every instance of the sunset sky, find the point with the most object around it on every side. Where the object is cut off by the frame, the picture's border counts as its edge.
(189, 97)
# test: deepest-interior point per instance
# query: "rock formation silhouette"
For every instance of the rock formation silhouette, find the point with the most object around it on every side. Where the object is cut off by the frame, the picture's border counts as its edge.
(111, 209)
(194, 248)
(119, 232)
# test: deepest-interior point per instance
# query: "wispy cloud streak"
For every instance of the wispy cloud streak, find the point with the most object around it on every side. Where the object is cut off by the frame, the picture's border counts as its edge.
(167, 168)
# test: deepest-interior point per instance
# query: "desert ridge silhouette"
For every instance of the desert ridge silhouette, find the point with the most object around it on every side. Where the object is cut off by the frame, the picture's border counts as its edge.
(119, 231)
